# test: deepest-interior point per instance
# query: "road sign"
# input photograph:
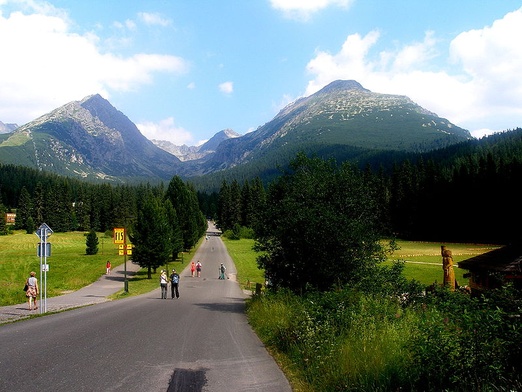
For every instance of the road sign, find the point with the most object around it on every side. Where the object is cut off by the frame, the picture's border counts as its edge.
(119, 235)
(45, 247)
(122, 250)
(43, 231)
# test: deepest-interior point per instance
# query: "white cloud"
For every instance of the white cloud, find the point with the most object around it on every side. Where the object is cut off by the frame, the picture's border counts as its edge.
(484, 92)
(166, 130)
(303, 9)
(50, 65)
(226, 87)
(153, 19)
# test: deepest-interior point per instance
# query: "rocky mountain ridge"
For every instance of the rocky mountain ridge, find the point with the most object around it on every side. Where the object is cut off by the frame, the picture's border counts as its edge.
(92, 139)
(7, 128)
(190, 153)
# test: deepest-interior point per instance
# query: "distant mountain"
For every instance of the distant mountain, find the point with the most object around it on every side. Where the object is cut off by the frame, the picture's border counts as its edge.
(88, 139)
(345, 121)
(7, 128)
(189, 153)
(183, 152)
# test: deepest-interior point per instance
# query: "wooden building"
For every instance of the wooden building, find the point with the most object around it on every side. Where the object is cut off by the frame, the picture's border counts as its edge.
(492, 269)
(10, 218)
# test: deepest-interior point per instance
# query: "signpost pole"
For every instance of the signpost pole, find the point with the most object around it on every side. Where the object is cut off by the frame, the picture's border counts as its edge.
(120, 238)
(42, 250)
(45, 270)
(125, 281)
(43, 232)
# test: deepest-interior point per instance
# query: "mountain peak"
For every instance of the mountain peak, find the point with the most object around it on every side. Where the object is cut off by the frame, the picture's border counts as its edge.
(342, 85)
(94, 97)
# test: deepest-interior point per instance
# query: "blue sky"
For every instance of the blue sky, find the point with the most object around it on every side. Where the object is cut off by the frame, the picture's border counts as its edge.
(183, 70)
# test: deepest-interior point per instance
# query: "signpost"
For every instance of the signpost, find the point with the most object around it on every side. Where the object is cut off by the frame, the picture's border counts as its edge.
(120, 238)
(43, 251)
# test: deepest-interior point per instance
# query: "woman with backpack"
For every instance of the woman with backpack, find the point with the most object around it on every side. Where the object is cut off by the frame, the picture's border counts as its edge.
(174, 283)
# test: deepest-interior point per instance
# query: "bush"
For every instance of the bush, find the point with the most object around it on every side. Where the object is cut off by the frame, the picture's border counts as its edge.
(349, 339)
(239, 232)
(480, 339)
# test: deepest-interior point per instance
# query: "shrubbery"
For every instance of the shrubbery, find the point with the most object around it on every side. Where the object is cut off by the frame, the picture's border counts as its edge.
(350, 340)
(239, 232)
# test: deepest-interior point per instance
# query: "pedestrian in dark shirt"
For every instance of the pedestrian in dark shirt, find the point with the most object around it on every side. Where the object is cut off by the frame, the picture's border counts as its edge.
(174, 283)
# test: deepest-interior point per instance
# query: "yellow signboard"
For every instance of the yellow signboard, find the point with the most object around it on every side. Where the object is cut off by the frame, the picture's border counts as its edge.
(122, 250)
(119, 235)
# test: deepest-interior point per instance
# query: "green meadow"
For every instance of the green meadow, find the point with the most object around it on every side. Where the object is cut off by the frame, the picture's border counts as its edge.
(70, 268)
(423, 261)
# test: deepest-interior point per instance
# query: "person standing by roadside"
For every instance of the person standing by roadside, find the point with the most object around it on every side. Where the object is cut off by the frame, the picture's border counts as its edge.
(108, 266)
(174, 283)
(32, 290)
(163, 283)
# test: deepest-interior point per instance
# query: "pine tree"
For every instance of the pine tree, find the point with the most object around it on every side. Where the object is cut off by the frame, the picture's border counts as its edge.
(91, 243)
(152, 234)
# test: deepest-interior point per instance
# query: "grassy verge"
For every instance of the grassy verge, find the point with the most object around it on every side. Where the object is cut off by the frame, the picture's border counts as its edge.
(245, 261)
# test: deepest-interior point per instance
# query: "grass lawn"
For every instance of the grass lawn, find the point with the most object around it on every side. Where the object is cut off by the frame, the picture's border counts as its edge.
(245, 260)
(69, 267)
(424, 260)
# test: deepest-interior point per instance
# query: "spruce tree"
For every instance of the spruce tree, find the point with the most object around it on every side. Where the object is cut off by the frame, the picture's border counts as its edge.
(91, 243)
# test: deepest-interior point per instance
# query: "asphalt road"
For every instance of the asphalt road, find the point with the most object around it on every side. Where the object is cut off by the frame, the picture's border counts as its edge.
(199, 342)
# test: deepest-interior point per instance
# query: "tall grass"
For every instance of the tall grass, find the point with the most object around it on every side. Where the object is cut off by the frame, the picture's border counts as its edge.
(349, 341)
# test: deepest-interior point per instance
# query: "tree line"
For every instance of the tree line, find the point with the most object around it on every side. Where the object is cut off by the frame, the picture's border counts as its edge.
(463, 193)
(161, 221)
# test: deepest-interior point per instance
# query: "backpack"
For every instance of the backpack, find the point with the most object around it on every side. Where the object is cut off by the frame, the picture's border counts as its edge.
(175, 278)
(223, 269)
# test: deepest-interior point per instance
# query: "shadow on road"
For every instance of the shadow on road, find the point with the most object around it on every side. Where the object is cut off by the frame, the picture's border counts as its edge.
(237, 307)
(120, 275)
(187, 380)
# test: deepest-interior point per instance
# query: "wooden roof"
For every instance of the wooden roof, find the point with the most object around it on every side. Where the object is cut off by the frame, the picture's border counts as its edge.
(507, 260)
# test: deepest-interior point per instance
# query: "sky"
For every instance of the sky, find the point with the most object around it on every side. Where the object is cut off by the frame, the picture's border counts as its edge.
(183, 70)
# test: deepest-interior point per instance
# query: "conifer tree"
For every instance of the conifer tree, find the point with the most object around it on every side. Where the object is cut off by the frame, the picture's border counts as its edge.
(152, 234)
(92, 243)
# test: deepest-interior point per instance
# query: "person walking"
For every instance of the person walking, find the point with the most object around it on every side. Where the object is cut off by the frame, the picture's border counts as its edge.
(108, 266)
(198, 268)
(222, 270)
(163, 283)
(174, 283)
(32, 290)
(192, 268)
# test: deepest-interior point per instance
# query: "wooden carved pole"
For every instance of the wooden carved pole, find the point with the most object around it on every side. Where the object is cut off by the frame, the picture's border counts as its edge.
(447, 267)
